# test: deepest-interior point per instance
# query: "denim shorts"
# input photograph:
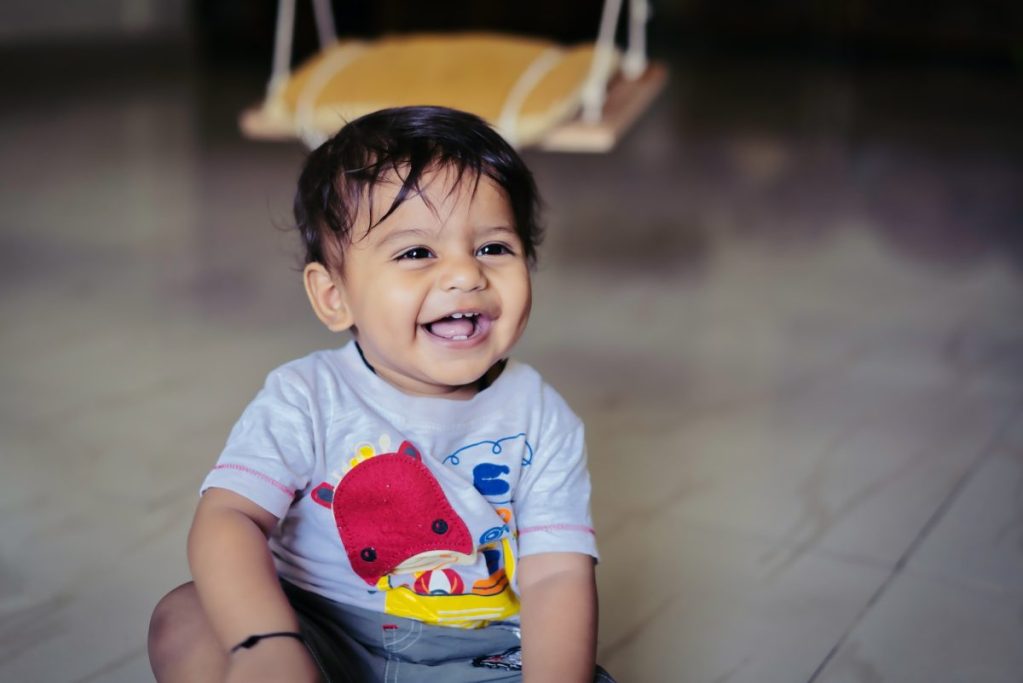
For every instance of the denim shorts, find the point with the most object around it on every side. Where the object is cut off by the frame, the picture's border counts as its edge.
(353, 645)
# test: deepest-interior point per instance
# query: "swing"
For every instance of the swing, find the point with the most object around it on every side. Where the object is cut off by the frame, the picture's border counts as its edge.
(578, 98)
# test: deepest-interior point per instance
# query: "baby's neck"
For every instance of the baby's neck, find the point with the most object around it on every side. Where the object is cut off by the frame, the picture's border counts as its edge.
(459, 393)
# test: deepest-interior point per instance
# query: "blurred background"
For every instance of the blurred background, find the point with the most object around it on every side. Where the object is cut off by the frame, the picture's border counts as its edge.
(789, 306)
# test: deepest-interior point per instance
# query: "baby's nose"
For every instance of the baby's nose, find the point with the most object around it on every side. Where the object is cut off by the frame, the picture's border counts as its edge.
(462, 273)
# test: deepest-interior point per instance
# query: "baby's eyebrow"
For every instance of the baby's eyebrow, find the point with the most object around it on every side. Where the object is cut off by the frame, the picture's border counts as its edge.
(403, 234)
(498, 229)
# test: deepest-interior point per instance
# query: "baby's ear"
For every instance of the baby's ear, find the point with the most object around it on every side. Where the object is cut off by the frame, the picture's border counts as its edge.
(327, 296)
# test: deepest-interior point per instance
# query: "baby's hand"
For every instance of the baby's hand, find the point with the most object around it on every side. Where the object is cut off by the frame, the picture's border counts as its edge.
(275, 660)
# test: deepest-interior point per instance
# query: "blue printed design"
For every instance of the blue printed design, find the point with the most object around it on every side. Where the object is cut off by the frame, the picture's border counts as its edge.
(493, 559)
(494, 533)
(528, 459)
(494, 480)
(495, 448)
(486, 477)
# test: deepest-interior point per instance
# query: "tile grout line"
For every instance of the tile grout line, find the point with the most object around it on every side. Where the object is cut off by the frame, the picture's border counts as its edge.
(924, 532)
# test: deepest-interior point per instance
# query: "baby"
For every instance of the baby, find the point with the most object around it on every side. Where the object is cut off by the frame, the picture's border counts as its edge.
(413, 506)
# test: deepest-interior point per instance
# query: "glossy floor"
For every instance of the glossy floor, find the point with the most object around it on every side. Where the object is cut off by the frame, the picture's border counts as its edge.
(789, 307)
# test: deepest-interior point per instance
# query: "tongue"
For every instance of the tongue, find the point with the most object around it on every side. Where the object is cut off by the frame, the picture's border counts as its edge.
(451, 327)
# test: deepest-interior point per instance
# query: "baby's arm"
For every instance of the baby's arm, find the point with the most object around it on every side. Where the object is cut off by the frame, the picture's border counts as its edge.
(239, 589)
(559, 617)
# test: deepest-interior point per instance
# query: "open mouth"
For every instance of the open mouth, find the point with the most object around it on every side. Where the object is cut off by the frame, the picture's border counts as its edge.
(459, 326)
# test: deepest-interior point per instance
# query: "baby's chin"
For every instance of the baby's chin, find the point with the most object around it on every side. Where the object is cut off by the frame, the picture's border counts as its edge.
(459, 383)
(467, 380)
(435, 383)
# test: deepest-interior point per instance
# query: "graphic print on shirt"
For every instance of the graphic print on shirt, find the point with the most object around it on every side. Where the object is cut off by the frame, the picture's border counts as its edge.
(488, 462)
(403, 537)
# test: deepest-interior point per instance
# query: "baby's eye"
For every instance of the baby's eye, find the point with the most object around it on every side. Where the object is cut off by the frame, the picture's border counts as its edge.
(494, 249)
(415, 254)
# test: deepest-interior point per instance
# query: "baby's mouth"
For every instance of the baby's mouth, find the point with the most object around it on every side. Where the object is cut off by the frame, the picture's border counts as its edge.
(458, 326)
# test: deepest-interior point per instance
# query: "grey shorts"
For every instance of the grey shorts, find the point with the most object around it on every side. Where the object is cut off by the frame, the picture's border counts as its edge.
(352, 645)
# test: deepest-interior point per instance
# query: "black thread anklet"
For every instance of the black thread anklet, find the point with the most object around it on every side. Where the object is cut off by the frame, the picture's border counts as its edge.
(251, 641)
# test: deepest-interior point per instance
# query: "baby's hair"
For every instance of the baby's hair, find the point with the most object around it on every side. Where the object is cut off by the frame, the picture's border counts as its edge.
(340, 175)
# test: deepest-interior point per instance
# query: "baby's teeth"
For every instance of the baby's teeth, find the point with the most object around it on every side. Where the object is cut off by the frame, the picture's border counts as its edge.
(460, 337)
(456, 315)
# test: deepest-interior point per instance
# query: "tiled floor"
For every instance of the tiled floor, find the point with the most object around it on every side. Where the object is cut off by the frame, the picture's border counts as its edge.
(789, 307)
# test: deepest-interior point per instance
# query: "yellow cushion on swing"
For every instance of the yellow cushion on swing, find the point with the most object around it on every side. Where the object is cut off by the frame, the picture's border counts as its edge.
(522, 86)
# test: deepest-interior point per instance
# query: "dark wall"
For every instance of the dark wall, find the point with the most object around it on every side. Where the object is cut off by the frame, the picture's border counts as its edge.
(245, 28)
(858, 28)
(855, 29)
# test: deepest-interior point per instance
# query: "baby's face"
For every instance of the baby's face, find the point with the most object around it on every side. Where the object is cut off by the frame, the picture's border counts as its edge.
(438, 295)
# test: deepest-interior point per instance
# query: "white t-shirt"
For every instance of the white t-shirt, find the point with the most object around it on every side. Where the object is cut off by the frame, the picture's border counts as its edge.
(413, 506)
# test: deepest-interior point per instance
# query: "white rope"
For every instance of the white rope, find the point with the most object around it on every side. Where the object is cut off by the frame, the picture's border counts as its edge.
(634, 63)
(281, 67)
(507, 121)
(305, 105)
(595, 89)
(324, 23)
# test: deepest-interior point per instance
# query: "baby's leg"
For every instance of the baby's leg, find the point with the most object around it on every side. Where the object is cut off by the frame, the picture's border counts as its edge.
(182, 645)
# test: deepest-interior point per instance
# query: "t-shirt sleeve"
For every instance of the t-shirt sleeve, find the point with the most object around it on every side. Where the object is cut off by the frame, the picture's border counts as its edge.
(552, 507)
(270, 453)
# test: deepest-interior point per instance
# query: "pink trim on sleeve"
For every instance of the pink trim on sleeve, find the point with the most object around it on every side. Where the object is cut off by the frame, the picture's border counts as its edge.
(268, 480)
(557, 527)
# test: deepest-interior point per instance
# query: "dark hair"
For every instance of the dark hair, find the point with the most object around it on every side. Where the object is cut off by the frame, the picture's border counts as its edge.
(339, 175)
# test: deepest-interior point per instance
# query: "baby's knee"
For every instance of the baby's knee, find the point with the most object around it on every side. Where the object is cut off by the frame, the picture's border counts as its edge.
(176, 625)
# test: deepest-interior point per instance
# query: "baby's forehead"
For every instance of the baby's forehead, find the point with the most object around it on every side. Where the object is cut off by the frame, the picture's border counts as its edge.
(433, 186)
(436, 177)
